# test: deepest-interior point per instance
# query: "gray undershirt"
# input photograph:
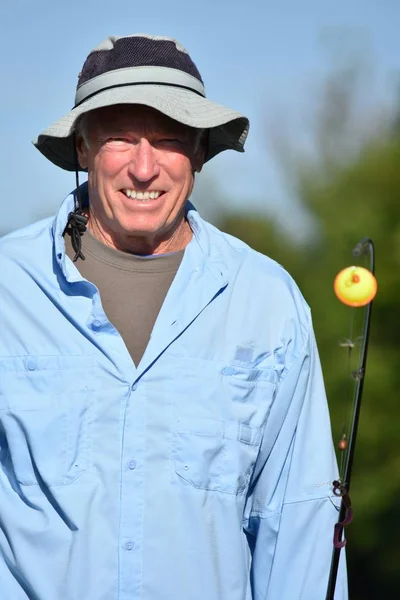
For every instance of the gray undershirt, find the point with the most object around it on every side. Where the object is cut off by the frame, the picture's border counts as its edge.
(132, 288)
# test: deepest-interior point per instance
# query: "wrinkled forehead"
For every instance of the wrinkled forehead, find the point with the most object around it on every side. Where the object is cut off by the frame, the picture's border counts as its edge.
(133, 118)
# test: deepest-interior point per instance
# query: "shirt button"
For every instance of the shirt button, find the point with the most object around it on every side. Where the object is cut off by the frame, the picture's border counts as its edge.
(132, 464)
(31, 364)
(129, 545)
(134, 387)
(96, 324)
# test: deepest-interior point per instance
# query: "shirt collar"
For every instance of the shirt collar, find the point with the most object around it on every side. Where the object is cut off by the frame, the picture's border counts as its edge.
(204, 238)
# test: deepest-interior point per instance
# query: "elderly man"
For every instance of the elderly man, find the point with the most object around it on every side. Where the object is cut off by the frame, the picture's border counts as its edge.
(164, 432)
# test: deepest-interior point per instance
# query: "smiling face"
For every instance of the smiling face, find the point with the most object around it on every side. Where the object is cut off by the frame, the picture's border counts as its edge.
(141, 169)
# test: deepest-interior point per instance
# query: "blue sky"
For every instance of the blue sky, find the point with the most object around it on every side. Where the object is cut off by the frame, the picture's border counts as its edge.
(259, 57)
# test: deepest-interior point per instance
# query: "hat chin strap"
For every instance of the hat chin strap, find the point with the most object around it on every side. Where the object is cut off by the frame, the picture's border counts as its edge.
(77, 220)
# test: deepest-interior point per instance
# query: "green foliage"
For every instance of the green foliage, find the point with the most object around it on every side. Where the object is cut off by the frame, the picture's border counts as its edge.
(350, 201)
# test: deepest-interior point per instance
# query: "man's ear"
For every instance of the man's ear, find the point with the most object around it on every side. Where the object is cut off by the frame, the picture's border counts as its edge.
(81, 151)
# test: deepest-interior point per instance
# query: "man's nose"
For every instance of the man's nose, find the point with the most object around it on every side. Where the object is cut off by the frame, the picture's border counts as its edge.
(144, 164)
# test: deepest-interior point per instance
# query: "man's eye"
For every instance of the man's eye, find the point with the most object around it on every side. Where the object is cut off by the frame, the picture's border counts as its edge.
(118, 140)
(117, 143)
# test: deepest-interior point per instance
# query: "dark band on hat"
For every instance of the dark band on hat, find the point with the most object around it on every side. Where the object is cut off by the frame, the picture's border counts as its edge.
(138, 75)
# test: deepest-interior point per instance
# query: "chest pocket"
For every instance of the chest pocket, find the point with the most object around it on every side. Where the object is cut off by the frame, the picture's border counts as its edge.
(45, 418)
(216, 455)
(219, 453)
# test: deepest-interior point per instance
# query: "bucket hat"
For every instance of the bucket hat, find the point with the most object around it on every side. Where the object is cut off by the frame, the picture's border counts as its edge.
(150, 70)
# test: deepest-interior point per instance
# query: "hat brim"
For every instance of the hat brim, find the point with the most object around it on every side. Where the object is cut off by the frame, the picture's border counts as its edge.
(227, 128)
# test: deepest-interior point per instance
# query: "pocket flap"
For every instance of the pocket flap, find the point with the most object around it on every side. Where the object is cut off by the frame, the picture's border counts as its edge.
(200, 426)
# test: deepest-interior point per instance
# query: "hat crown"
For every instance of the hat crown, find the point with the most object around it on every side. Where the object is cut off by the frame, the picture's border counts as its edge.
(136, 51)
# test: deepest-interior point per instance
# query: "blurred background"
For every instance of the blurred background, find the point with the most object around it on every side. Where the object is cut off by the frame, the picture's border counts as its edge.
(320, 82)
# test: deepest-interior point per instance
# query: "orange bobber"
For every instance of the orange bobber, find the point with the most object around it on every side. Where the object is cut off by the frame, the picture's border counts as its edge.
(355, 286)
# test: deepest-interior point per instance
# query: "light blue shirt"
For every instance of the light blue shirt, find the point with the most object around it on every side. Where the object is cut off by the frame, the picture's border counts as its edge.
(203, 473)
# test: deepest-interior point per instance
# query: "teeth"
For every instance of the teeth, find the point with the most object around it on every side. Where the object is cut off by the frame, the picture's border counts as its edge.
(142, 195)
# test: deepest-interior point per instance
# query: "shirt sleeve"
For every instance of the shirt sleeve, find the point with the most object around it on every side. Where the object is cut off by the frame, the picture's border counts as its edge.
(290, 509)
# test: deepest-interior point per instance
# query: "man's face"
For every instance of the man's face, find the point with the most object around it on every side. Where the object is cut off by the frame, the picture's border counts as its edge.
(140, 171)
